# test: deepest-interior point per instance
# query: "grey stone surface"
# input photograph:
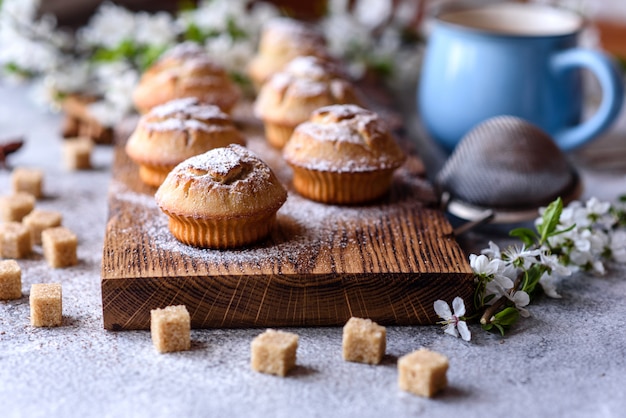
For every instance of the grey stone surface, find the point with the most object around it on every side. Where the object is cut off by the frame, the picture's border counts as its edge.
(566, 360)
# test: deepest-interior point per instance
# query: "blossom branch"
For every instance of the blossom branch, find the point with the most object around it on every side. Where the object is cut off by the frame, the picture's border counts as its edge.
(492, 309)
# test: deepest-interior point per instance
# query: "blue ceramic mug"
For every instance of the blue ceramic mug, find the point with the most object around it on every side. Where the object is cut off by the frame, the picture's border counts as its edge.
(513, 59)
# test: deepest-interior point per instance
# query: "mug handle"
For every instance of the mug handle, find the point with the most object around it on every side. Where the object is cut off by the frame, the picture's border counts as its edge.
(612, 86)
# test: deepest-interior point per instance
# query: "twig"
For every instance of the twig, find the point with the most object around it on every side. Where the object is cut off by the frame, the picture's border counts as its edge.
(491, 310)
(9, 147)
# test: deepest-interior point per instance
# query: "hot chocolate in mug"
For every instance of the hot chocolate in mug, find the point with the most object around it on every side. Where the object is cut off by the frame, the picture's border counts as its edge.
(513, 59)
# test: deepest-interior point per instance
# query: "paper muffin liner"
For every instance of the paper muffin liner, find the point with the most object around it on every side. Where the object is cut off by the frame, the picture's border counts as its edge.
(154, 175)
(220, 233)
(277, 134)
(340, 187)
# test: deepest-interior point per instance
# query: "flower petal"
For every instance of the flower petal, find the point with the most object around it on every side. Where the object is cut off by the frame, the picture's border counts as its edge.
(451, 329)
(464, 331)
(521, 298)
(459, 306)
(442, 309)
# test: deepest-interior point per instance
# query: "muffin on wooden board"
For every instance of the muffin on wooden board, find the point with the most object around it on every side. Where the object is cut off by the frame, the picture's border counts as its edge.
(344, 154)
(224, 198)
(290, 96)
(172, 132)
(186, 70)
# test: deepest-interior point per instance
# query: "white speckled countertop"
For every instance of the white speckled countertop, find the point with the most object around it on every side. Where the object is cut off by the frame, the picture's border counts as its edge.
(566, 360)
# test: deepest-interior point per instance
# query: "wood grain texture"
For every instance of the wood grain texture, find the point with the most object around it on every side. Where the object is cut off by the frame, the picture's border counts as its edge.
(388, 261)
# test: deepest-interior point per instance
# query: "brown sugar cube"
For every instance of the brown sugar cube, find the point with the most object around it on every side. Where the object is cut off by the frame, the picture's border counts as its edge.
(423, 372)
(170, 329)
(274, 352)
(77, 153)
(39, 220)
(14, 207)
(46, 305)
(364, 341)
(59, 247)
(27, 180)
(10, 280)
(15, 241)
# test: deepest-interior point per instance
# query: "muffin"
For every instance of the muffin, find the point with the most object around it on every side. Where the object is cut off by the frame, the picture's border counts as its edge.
(186, 70)
(344, 154)
(172, 132)
(224, 198)
(290, 96)
(283, 39)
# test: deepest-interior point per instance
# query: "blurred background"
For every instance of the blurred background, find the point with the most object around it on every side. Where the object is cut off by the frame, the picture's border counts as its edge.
(607, 17)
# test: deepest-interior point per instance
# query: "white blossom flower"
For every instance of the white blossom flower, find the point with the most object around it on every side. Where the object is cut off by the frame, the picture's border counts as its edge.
(497, 287)
(20, 10)
(548, 284)
(493, 251)
(618, 245)
(109, 27)
(373, 13)
(521, 256)
(483, 266)
(521, 299)
(453, 324)
(554, 264)
(155, 29)
(596, 207)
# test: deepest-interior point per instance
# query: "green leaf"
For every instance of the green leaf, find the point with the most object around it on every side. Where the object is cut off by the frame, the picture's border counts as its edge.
(125, 50)
(506, 317)
(194, 33)
(526, 235)
(493, 328)
(234, 30)
(550, 219)
(532, 277)
(149, 55)
(15, 69)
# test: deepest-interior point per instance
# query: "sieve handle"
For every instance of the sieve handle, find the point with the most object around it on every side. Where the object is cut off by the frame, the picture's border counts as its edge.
(603, 67)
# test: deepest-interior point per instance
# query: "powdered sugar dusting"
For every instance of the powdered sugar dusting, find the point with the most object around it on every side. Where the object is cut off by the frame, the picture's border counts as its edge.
(188, 107)
(343, 111)
(185, 114)
(303, 228)
(307, 66)
(182, 125)
(219, 160)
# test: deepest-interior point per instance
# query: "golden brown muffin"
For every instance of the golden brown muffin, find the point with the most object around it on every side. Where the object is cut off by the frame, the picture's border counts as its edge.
(224, 198)
(186, 70)
(344, 155)
(175, 131)
(283, 39)
(290, 96)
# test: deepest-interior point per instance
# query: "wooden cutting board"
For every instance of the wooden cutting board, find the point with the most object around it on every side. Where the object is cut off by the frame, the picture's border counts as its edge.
(388, 261)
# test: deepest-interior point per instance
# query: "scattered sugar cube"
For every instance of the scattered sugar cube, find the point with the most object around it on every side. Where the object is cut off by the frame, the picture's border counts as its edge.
(14, 207)
(274, 352)
(15, 241)
(10, 280)
(77, 153)
(170, 329)
(46, 305)
(27, 180)
(59, 247)
(364, 341)
(423, 372)
(39, 220)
